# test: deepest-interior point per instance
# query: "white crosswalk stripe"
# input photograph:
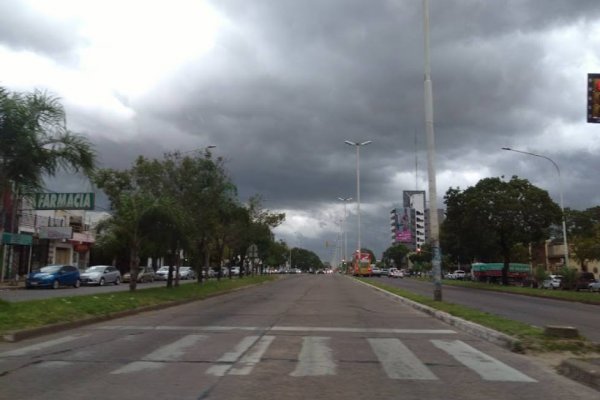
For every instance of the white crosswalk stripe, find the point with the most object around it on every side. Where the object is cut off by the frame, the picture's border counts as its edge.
(315, 357)
(398, 361)
(247, 354)
(487, 367)
(170, 352)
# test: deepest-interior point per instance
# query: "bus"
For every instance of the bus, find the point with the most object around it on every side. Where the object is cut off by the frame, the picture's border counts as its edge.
(361, 264)
(492, 272)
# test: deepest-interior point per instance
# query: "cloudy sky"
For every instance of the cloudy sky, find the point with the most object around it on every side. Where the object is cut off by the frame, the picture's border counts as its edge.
(279, 85)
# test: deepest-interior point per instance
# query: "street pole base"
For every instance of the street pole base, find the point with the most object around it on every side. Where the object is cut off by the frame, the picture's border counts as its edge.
(437, 294)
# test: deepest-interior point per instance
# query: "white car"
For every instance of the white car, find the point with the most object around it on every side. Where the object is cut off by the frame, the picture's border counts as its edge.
(101, 275)
(187, 273)
(594, 286)
(163, 273)
(553, 282)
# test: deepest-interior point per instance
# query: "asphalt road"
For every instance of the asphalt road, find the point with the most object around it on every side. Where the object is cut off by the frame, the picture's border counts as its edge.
(301, 337)
(532, 310)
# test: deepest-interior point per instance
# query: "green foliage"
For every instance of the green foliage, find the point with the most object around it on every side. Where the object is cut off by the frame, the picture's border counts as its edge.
(540, 274)
(34, 141)
(305, 259)
(569, 277)
(487, 221)
(395, 254)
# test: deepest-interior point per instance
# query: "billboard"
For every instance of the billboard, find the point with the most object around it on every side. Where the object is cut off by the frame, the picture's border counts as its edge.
(55, 232)
(593, 100)
(403, 232)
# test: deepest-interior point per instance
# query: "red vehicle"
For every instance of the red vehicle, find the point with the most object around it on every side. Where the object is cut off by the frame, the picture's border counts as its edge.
(361, 264)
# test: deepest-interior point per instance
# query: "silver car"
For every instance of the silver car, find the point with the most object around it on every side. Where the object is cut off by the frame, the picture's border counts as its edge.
(101, 275)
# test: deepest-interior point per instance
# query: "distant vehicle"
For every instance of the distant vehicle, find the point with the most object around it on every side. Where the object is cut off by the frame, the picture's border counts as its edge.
(375, 271)
(188, 273)
(361, 264)
(553, 282)
(492, 272)
(583, 280)
(235, 271)
(145, 274)
(594, 286)
(385, 271)
(162, 274)
(101, 275)
(395, 273)
(54, 276)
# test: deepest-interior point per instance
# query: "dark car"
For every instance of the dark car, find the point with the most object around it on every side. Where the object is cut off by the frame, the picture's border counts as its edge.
(583, 280)
(54, 276)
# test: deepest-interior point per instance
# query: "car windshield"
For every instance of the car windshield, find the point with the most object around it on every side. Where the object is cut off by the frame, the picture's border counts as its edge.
(50, 269)
(96, 268)
(161, 269)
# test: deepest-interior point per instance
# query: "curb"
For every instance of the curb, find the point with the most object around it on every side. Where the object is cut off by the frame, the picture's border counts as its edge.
(584, 371)
(480, 331)
(16, 336)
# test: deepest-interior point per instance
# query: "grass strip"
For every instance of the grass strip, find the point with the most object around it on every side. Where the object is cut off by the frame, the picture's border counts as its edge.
(532, 338)
(569, 295)
(36, 313)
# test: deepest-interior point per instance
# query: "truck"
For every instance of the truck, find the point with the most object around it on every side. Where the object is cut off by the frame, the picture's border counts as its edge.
(492, 272)
(361, 264)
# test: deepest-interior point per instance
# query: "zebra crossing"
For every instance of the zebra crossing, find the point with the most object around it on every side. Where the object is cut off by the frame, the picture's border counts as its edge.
(315, 355)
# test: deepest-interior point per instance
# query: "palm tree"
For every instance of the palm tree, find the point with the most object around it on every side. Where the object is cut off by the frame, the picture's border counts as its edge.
(34, 142)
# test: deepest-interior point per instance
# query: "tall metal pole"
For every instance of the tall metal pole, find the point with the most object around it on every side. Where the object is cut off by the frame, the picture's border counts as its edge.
(562, 208)
(433, 217)
(358, 145)
(345, 200)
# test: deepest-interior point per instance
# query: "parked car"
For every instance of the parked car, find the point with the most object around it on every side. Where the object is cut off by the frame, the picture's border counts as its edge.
(594, 286)
(235, 271)
(395, 273)
(189, 273)
(385, 272)
(54, 276)
(553, 282)
(376, 272)
(145, 274)
(162, 274)
(583, 280)
(101, 275)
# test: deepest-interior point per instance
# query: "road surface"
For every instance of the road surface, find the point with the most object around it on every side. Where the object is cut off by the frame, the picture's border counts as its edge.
(301, 337)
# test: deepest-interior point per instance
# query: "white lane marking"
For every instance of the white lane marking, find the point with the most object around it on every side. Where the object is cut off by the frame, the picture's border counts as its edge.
(40, 346)
(398, 361)
(315, 358)
(487, 367)
(232, 356)
(154, 360)
(249, 361)
(280, 329)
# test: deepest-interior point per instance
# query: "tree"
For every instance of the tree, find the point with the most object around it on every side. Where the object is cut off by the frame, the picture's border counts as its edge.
(396, 254)
(306, 260)
(487, 221)
(34, 141)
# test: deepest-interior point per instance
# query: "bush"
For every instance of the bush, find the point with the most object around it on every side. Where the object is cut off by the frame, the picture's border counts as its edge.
(569, 277)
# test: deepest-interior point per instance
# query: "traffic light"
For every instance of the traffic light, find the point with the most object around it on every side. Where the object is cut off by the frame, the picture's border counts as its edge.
(593, 107)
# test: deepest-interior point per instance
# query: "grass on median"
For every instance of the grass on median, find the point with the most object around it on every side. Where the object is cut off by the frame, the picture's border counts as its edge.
(36, 313)
(569, 295)
(532, 338)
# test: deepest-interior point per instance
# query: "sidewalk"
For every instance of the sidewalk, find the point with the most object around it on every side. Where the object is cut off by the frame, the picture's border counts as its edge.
(12, 285)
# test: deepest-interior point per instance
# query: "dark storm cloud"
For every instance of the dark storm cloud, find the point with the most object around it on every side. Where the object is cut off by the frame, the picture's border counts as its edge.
(288, 81)
(24, 29)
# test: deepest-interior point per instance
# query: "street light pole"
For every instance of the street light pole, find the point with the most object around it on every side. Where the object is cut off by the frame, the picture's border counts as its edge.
(562, 209)
(433, 215)
(345, 200)
(358, 145)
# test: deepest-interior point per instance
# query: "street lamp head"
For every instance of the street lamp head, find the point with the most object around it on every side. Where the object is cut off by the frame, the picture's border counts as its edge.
(506, 148)
(212, 146)
(350, 143)
(345, 199)
(365, 143)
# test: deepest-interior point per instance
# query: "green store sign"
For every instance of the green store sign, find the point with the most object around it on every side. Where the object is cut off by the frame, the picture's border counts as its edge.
(64, 201)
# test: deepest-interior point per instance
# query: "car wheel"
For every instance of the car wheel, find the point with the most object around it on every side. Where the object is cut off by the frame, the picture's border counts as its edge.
(55, 284)
(101, 283)
(117, 281)
(77, 283)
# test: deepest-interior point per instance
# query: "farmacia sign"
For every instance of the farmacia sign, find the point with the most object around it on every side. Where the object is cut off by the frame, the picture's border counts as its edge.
(64, 201)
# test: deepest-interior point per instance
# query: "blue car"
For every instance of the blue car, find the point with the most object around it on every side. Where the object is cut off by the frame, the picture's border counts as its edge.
(54, 276)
